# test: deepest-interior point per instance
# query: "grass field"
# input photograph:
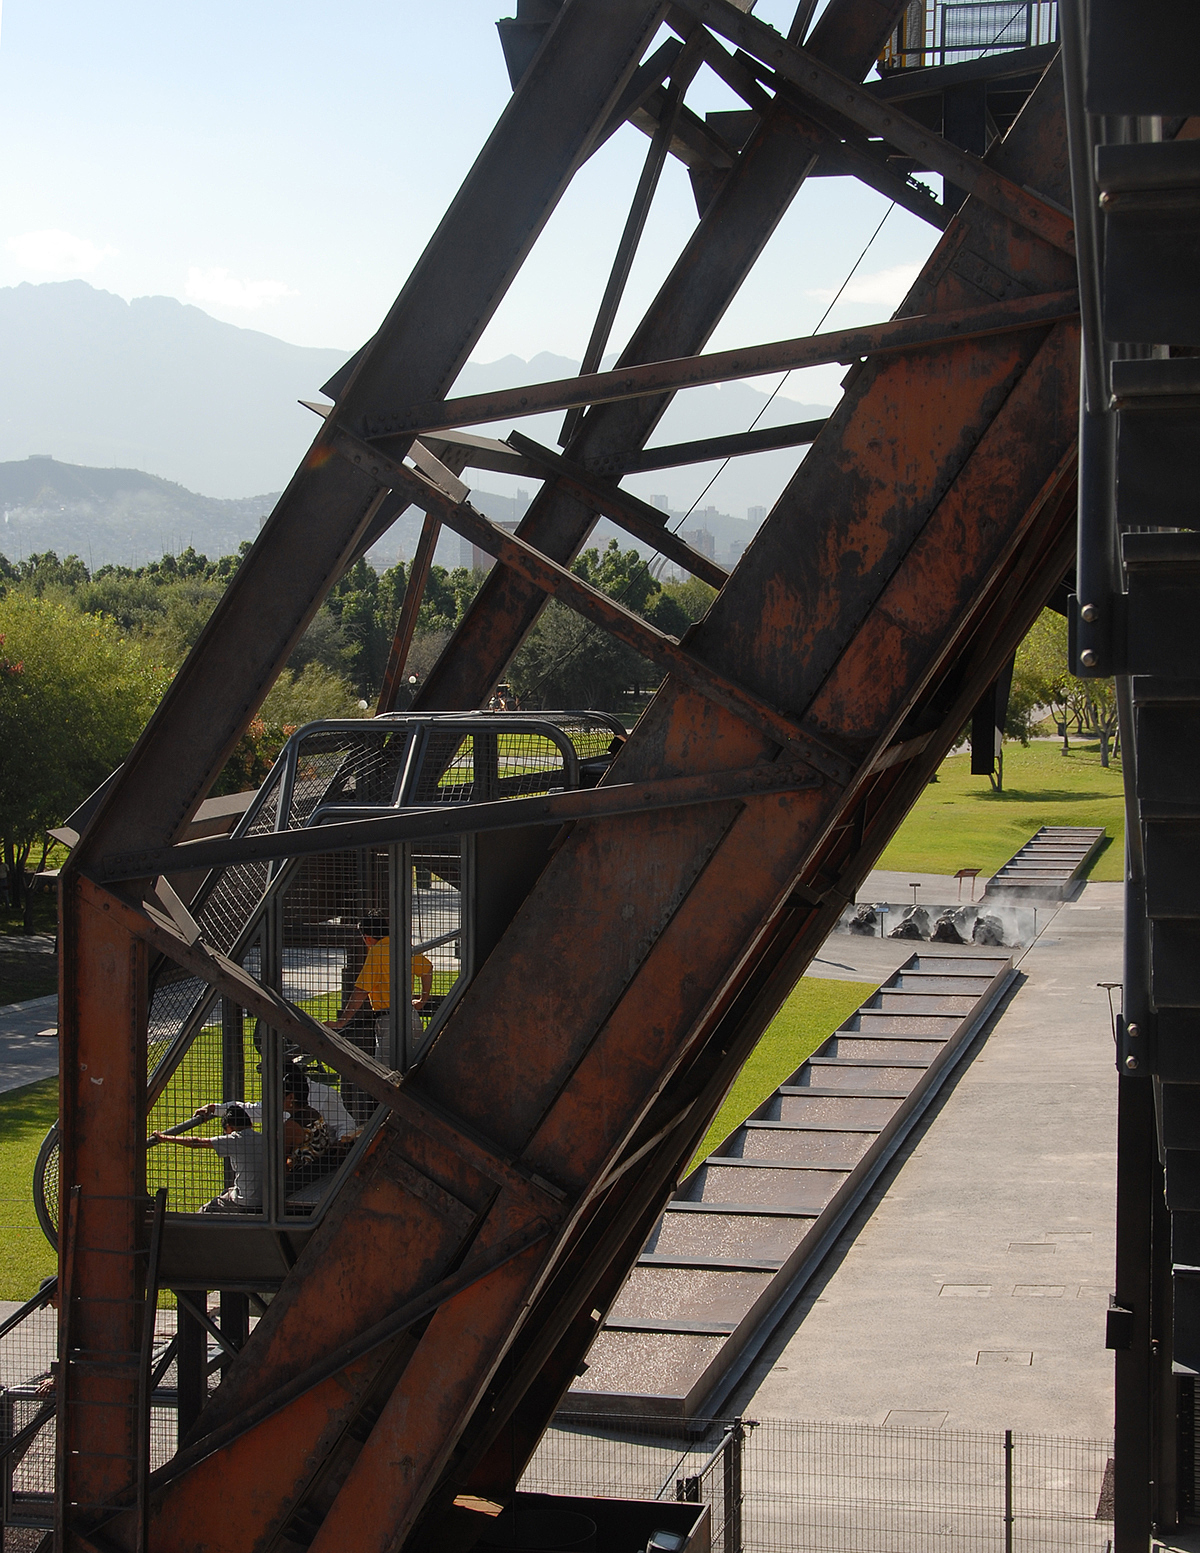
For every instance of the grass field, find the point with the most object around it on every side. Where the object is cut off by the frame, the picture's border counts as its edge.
(960, 822)
(815, 1009)
(26, 1115)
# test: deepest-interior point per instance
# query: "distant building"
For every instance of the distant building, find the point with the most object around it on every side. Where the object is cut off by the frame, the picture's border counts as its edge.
(702, 540)
(479, 560)
(756, 515)
(661, 503)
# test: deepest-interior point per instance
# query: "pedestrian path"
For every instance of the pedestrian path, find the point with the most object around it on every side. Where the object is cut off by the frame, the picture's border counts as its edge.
(970, 1290)
(25, 1054)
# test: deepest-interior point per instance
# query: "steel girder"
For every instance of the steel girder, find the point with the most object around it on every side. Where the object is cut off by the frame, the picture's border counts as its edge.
(499, 1209)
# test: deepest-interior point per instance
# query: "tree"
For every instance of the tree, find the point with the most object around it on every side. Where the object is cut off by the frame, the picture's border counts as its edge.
(293, 700)
(568, 662)
(74, 695)
(1041, 678)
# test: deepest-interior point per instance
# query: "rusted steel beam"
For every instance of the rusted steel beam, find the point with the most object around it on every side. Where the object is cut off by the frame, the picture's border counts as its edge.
(828, 90)
(606, 801)
(841, 345)
(102, 1089)
(637, 517)
(715, 261)
(610, 1045)
(682, 72)
(857, 159)
(210, 1442)
(410, 608)
(735, 445)
(801, 743)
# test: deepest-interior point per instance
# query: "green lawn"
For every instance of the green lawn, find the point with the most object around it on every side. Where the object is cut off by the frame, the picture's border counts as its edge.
(26, 1116)
(815, 1009)
(960, 822)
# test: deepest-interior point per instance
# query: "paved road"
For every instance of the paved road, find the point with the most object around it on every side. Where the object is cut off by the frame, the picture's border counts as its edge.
(970, 1290)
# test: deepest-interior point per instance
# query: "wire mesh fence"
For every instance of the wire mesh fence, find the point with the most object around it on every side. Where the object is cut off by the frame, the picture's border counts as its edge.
(783, 1486)
(28, 1355)
(947, 32)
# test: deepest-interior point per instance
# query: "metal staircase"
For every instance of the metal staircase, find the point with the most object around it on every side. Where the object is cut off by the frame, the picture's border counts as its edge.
(1133, 105)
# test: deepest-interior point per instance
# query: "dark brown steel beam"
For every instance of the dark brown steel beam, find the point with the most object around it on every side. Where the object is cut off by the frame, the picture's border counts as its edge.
(830, 92)
(857, 159)
(657, 377)
(639, 518)
(410, 608)
(592, 803)
(736, 445)
(682, 71)
(932, 80)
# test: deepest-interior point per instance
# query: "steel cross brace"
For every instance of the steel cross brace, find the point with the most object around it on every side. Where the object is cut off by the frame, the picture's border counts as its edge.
(609, 800)
(830, 91)
(911, 332)
(801, 743)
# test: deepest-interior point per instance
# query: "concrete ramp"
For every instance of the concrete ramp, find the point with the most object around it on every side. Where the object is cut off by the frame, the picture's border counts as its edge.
(749, 1226)
(1050, 865)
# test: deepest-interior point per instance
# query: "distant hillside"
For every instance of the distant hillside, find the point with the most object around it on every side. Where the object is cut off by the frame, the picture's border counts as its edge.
(157, 385)
(123, 516)
(152, 384)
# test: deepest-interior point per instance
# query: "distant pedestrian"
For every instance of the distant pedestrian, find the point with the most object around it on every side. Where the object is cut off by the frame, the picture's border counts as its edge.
(5, 899)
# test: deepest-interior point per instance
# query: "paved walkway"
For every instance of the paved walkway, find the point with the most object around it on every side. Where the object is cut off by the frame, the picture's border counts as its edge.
(970, 1290)
(25, 1055)
(933, 889)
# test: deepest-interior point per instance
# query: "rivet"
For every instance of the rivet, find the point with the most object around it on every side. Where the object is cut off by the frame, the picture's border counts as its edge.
(1134, 1031)
(1088, 658)
(1088, 613)
(1131, 1063)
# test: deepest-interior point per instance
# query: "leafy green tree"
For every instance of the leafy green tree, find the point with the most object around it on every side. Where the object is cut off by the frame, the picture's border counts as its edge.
(1041, 678)
(74, 695)
(293, 700)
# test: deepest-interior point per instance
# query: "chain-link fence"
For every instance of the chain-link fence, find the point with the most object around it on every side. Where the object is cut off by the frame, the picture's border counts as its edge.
(778, 1486)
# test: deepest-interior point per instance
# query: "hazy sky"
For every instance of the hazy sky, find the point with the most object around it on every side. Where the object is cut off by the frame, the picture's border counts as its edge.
(281, 165)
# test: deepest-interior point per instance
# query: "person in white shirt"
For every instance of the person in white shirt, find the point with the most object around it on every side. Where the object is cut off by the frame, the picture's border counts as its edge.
(321, 1097)
(243, 1148)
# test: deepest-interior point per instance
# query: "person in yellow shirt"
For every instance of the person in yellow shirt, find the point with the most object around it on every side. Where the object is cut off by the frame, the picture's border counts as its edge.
(374, 984)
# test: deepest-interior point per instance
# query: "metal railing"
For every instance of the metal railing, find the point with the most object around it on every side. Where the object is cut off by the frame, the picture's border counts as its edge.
(783, 1486)
(946, 32)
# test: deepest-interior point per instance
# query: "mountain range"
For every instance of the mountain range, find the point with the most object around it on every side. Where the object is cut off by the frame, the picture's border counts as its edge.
(115, 414)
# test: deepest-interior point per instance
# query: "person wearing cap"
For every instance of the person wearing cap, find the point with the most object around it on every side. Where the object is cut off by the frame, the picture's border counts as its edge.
(243, 1148)
(299, 1087)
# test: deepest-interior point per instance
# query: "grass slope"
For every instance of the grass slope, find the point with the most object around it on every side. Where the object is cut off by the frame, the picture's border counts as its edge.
(26, 1116)
(960, 822)
(815, 1009)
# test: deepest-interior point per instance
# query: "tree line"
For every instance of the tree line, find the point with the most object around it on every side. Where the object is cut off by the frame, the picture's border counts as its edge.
(86, 656)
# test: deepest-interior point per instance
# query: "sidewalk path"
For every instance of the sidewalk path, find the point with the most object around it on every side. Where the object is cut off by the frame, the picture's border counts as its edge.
(26, 1056)
(970, 1289)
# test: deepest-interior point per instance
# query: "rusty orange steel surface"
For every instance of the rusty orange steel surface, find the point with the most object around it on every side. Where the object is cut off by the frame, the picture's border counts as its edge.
(889, 579)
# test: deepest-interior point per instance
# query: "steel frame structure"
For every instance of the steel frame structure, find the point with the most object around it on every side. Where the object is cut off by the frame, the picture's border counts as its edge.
(414, 1354)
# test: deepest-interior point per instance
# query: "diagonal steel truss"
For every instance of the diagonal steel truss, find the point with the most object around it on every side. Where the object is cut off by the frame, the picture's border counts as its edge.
(498, 1210)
